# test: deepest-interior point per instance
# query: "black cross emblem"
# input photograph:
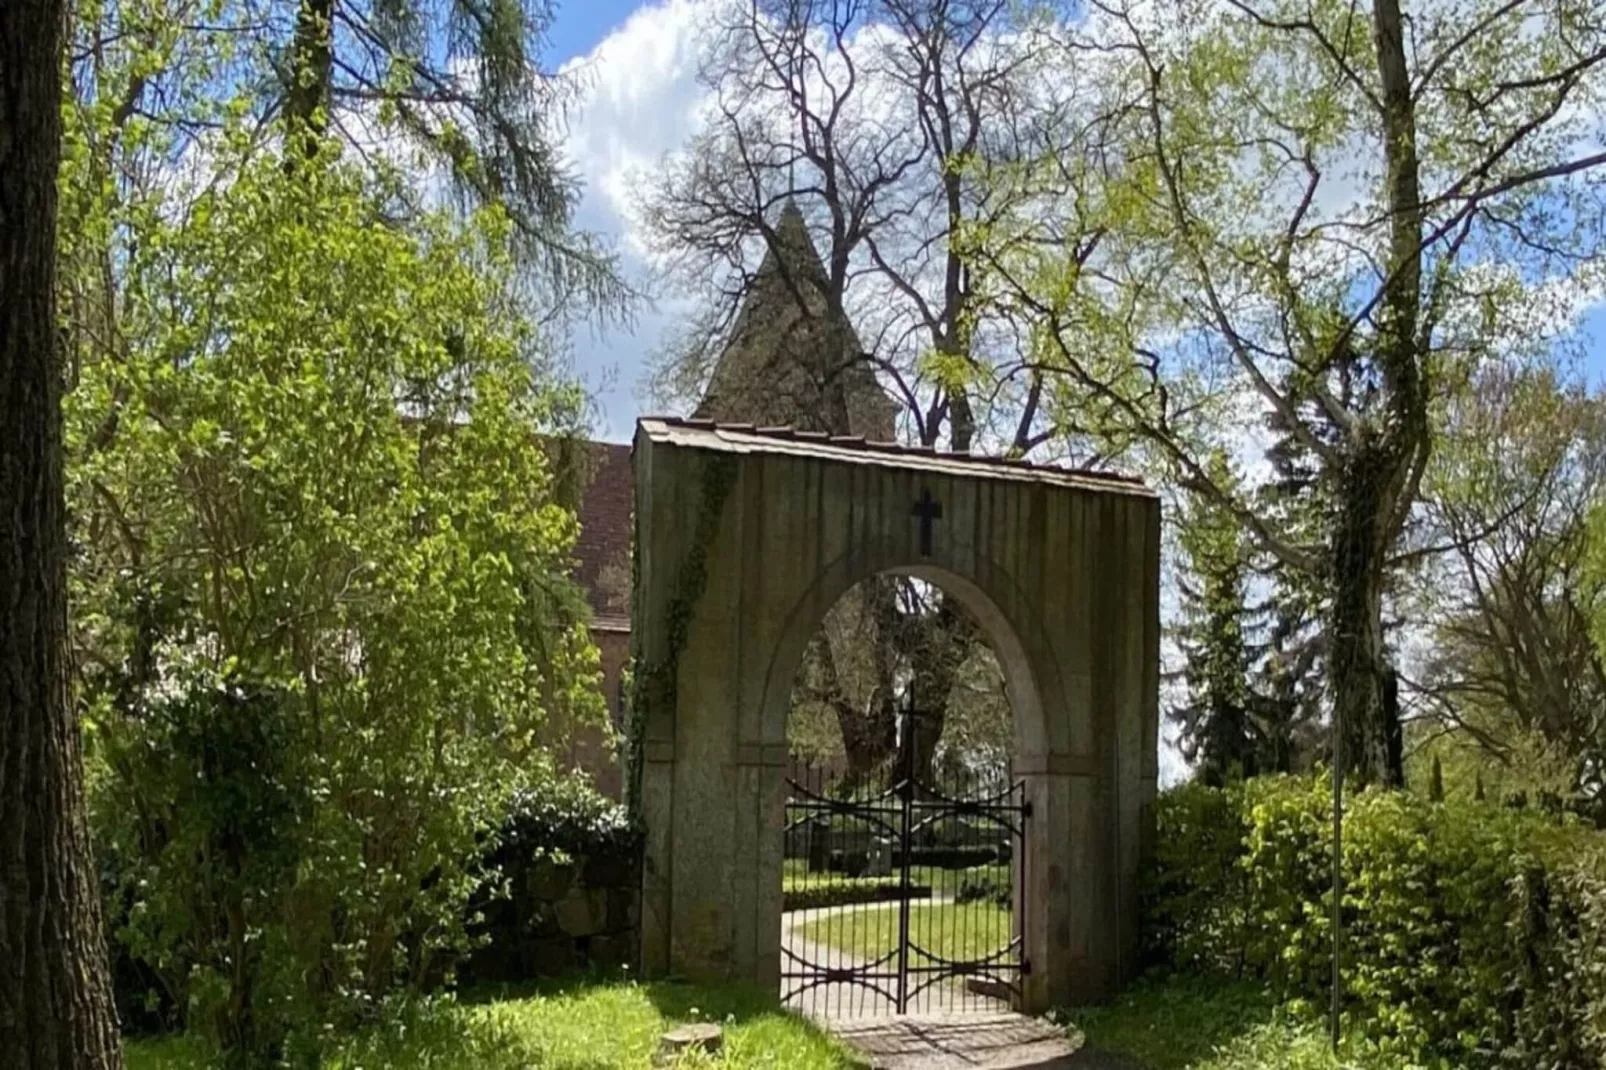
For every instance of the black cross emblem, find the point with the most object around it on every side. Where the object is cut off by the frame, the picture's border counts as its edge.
(927, 509)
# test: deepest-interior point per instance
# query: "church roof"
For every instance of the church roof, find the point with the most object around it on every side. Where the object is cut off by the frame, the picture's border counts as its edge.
(852, 449)
(790, 358)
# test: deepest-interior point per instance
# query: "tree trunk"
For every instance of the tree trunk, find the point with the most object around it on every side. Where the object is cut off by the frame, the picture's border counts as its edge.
(55, 998)
(311, 69)
(869, 738)
(1376, 483)
(1357, 665)
(939, 646)
(870, 734)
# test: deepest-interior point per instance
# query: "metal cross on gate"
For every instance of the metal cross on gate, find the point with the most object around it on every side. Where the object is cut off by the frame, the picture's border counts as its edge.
(928, 509)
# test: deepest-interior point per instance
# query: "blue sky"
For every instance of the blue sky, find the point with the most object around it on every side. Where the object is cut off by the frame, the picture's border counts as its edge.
(639, 59)
(582, 24)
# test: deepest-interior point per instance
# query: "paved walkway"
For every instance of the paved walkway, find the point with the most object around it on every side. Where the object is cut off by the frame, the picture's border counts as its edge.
(968, 1032)
(835, 1000)
(981, 1041)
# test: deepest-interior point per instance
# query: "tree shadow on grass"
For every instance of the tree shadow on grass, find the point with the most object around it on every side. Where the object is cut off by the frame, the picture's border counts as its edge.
(682, 1001)
(1175, 1023)
(757, 1030)
(676, 999)
(478, 993)
(595, 1021)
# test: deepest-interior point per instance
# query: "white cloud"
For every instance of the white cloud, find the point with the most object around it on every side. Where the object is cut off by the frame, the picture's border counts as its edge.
(641, 101)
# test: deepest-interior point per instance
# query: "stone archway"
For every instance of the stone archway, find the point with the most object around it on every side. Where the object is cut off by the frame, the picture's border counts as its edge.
(745, 538)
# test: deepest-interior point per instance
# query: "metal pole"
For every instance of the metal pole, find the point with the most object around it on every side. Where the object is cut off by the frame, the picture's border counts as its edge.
(906, 790)
(1338, 879)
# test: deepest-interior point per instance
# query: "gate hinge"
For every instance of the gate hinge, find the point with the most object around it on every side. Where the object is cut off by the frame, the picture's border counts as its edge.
(1026, 809)
(1025, 967)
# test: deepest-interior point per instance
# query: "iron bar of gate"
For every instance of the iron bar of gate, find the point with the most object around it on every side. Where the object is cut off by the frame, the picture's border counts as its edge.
(835, 834)
(906, 793)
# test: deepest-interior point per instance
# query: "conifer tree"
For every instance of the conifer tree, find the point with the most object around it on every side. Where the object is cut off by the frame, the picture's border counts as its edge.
(1217, 733)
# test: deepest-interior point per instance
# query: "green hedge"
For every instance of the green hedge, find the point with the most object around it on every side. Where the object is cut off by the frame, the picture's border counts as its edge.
(550, 837)
(567, 816)
(842, 892)
(1475, 935)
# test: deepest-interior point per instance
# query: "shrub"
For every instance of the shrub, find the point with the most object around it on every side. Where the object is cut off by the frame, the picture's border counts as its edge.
(321, 612)
(220, 804)
(956, 857)
(843, 892)
(1473, 933)
(986, 889)
(565, 817)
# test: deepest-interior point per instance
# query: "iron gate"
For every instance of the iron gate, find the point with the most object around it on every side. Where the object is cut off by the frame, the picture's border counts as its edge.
(904, 896)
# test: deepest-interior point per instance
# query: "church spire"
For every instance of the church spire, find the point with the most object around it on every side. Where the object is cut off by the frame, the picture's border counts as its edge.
(789, 359)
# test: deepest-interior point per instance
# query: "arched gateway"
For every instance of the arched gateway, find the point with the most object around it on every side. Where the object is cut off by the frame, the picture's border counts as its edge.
(746, 537)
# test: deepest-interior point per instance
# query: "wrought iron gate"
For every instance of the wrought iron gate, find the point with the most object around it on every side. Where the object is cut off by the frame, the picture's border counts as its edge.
(904, 896)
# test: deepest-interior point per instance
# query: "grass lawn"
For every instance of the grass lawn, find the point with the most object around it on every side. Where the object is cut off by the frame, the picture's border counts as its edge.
(1172, 1025)
(592, 1026)
(951, 930)
(1193, 1025)
(795, 874)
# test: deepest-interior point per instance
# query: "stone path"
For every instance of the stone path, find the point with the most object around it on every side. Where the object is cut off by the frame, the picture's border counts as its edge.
(983, 1041)
(838, 1000)
(984, 1036)
(835, 1000)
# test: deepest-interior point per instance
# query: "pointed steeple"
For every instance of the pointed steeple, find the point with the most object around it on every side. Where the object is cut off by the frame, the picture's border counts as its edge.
(788, 359)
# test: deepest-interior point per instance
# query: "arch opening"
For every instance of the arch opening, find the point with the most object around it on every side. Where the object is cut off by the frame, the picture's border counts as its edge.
(1005, 637)
(903, 837)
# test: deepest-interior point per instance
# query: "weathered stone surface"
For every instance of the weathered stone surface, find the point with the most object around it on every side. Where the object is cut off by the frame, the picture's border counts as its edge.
(583, 912)
(547, 957)
(699, 1036)
(609, 870)
(542, 920)
(747, 539)
(611, 950)
(621, 913)
(558, 918)
(550, 880)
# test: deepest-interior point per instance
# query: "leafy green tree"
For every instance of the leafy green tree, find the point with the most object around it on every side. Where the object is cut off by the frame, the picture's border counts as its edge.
(452, 89)
(1248, 646)
(1287, 693)
(1317, 221)
(321, 579)
(879, 134)
(1512, 597)
(324, 621)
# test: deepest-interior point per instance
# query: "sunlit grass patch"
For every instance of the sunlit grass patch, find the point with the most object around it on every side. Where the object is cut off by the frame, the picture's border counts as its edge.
(955, 931)
(602, 1026)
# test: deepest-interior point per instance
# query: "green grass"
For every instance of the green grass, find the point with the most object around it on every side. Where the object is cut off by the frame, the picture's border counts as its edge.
(1186, 1024)
(594, 1026)
(950, 930)
(795, 874)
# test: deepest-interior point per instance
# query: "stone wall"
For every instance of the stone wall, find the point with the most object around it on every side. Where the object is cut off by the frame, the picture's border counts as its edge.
(562, 917)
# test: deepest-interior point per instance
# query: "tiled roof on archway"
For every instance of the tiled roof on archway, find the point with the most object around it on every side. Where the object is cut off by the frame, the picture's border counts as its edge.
(744, 437)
